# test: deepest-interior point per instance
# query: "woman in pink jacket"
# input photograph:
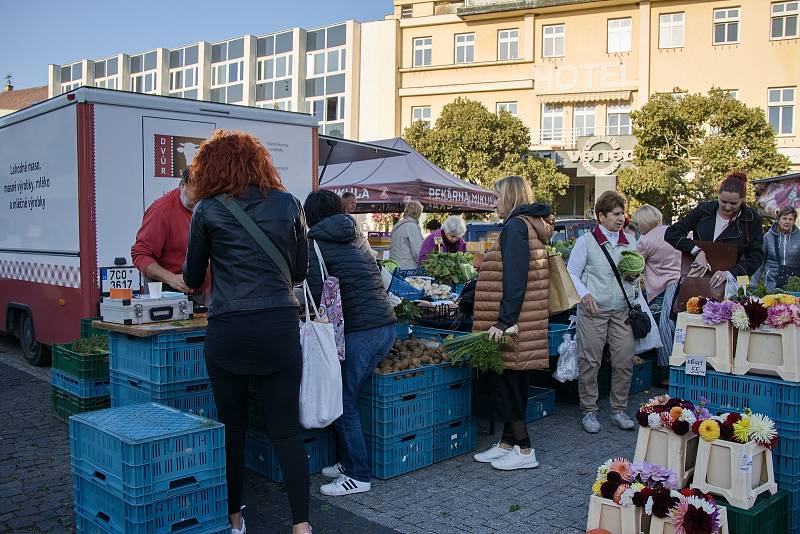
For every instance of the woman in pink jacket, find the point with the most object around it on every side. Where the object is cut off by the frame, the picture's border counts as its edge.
(662, 271)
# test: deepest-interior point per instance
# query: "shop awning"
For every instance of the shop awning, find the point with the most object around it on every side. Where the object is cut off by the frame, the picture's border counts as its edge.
(604, 96)
(333, 150)
(386, 185)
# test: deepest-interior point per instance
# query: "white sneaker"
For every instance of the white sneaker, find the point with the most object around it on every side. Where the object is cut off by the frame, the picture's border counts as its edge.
(344, 485)
(516, 460)
(492, 454)
(333, 471)
(242, 530)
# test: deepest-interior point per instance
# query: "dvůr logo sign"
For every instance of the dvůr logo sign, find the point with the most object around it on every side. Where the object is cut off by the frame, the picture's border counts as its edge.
(600, 155)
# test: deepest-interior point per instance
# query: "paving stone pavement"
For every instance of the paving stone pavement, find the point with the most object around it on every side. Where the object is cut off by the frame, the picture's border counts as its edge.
(455, 496)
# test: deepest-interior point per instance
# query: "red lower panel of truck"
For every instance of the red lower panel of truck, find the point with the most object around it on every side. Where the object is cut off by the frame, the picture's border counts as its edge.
(56, 310)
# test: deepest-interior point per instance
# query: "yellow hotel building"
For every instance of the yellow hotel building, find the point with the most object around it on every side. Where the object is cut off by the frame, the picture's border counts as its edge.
(573, 70)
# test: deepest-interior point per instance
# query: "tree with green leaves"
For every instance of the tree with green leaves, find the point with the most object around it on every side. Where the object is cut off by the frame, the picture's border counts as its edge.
(685, 147)
(479, 146)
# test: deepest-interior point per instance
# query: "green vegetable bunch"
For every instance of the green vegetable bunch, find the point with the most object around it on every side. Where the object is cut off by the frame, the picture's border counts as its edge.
(450, 268)
(390, 265)
(92, 345)
(792, 284)
(406, 311)
(478, 351)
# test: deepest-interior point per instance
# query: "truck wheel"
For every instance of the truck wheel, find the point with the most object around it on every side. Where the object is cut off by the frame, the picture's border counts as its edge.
(36, 353)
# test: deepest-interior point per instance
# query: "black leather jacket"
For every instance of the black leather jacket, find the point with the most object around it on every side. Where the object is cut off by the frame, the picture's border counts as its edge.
(745, 233)
(244, 278)
(347, 256)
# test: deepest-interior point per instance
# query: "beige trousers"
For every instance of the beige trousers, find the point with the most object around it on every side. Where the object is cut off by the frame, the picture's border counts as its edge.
(594, 331)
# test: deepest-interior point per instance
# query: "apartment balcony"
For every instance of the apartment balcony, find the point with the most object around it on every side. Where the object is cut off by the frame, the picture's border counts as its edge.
(557, 138)
(477, 7)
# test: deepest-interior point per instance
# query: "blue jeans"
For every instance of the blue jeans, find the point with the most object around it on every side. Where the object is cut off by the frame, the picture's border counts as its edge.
(364, 350)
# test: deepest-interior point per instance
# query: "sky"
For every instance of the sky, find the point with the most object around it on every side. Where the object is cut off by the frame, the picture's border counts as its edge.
(35, 33)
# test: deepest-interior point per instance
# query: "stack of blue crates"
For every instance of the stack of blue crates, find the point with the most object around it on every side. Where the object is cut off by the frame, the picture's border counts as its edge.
(148, 469)
(167, 368)
(412, 419)
(773, 397)
(260, 455)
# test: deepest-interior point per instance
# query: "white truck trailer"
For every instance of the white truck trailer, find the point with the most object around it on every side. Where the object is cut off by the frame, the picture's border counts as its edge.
(76, 175)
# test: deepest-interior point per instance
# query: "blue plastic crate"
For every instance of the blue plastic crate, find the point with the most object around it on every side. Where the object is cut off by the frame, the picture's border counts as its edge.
(403, 273)
(541, 403)
(454, 438)
(392, 384)
(402, 330)
(444, 373)
(555, 335)
(176, 512)
(194, 397)
(404, 290)
(772, 397)
(84, 389)
(452, 401)
(642, 379)
(160, 359)
(390, 457)
(141, 452)
(458, 288)
(260, 455)
(95, 525)
(386, 417)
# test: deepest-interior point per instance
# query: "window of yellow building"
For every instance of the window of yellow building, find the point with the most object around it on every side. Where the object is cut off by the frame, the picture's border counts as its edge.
(509, 107)
(784, 20)
(583, 120)
(670, 30)
(618, 120)
(465, 48)
(421, 113)
(552, 122)
(423, 49)
(507, 45)
(553, 40)
(781, 110)
(726, 26)
(619, 35)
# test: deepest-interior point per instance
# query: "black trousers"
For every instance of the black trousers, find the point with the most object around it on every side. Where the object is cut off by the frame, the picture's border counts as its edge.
(280, 389)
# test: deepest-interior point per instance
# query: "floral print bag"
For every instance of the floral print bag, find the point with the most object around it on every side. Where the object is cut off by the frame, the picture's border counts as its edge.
(330, 302)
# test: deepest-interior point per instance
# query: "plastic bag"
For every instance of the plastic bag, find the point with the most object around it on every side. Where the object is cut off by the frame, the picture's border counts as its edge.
(321, 381)
(567, 368)
(653, 338)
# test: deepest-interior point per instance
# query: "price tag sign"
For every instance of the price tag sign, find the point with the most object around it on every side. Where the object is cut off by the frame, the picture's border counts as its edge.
(386, 254)
(680, 336)
(747, 463)
(696, 365)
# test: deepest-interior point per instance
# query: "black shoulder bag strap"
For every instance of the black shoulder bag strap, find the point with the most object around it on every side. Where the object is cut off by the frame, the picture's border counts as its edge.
(777, 249)
(616, 272)
(256, 233)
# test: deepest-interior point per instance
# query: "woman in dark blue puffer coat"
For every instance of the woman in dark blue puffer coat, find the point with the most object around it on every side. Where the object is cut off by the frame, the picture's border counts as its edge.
(369, 326)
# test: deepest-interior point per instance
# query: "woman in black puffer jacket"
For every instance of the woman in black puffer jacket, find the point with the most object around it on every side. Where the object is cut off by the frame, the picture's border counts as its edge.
(369, 326)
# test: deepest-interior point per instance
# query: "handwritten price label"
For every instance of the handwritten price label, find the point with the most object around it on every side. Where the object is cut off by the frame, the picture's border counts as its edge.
(747, 463)
(696, 365)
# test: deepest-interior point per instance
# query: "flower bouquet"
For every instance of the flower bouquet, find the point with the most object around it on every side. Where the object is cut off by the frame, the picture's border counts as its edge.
(738, 428)
(636, 484)
(696, 513)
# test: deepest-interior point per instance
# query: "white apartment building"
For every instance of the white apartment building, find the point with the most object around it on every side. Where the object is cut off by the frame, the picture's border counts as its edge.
(314, 71)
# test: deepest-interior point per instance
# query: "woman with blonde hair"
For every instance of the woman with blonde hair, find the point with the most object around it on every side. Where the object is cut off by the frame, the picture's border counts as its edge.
(407, 237)
(662, 272)
(252, 329)
(512, 297)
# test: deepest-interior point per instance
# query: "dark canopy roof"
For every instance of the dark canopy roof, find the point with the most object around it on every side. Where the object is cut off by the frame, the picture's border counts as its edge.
(387, 184)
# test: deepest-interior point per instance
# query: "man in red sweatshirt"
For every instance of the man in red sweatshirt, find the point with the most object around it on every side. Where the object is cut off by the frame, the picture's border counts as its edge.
(161, 242)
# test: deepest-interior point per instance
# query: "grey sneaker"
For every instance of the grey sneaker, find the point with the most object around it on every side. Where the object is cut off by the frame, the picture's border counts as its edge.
(622, 420)
(590, 423)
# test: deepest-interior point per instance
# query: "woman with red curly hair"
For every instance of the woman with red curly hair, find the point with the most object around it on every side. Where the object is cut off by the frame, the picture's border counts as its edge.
(253, 327)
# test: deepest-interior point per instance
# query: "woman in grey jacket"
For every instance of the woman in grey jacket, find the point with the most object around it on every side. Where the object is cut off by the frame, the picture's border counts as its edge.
(781, 251)
(407, 237)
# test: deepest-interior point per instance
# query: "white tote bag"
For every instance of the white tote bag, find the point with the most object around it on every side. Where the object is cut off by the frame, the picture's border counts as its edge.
(321, 382)
(653, 339)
